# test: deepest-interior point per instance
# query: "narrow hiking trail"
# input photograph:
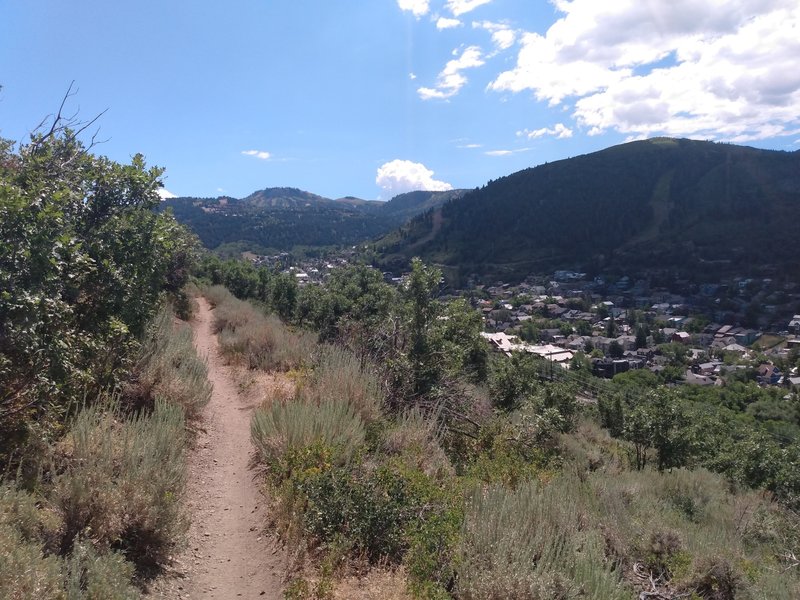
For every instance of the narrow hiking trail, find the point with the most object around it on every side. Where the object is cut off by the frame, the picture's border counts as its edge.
(229, 555)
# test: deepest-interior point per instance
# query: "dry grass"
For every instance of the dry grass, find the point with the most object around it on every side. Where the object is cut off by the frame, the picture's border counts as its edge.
(339, 375)
(281, 430)
(120, 483)
(168, 368)
(376, 584)
(249, 337)
(415, 438)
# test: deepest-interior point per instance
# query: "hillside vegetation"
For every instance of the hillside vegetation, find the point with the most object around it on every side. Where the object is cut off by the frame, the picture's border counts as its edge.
(97, 380)
(282, 218)
(405, 445)
(658, 203)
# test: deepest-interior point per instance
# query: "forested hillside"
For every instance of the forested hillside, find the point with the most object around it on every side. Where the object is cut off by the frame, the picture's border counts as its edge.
(281, 218)
(655, 203)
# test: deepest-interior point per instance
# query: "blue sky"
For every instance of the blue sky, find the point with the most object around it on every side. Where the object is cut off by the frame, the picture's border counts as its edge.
(372, 98)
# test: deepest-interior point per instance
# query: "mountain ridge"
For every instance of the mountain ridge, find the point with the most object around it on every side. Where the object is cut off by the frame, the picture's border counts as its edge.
(661, 201)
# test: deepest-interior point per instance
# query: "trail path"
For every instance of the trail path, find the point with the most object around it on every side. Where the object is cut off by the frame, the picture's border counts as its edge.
(229, 555)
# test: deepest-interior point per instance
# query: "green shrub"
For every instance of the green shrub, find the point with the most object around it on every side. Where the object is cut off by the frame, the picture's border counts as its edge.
(338, 374)
(168, 368)
(119, 483)
(383, 512)
(281, 432)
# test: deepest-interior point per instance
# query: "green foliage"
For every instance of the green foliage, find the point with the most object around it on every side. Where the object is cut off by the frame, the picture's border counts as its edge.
(281, 432)
(119, 484)
(168, 367)
(513, 380)
(83, 260)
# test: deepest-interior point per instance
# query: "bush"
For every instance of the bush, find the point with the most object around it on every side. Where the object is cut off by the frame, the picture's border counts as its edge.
(528, 543)
(249, 337)
(26, 571)
(119, 483)
(281, 432)
(168, 368)
(414, 438)
(338, 374)
(30, 569)
(381, 513)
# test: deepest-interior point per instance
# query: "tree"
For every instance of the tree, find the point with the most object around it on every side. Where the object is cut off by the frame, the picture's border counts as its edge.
(84, 258)
(615, 350)
(420, 310)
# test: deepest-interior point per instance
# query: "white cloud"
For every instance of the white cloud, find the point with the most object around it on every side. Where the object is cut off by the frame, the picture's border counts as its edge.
(559, 130)
(164, 193)
(416, 7)
(719, 69)
(503, 36)
(445, 23)
(505, 152)
(263, 155)
(471, 146)
(451, 80)
(400, 176)
(460, 7)
(412, 76)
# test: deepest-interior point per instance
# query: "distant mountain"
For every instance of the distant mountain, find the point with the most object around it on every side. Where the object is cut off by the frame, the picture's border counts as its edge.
(659, 203)
(280, 218)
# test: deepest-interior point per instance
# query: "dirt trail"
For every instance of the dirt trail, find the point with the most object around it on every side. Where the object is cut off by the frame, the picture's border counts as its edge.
(229, 555)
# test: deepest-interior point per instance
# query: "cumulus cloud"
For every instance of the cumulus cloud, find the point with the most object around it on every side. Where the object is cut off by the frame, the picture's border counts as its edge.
(720, 69)
(451, 80)
(262, 154)
(445, 23)
(417, 7)
(460, 7)
(164, 193)
(400, 176)
(503, 36)
(559, 130)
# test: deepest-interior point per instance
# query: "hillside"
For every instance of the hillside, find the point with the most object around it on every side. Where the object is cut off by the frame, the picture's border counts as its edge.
(281, 218)
(647, 204)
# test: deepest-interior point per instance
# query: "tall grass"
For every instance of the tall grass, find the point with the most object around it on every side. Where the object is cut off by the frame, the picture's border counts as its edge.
(283, 430)
(120, 483)
(685, 528)
(249, 337)
(528, 544)
(339, 374)
(168, 367)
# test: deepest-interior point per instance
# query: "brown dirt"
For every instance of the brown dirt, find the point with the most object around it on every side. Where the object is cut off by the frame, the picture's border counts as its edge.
(229, 555)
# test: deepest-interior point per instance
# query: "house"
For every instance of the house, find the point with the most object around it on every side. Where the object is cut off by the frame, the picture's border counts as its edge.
(698, 379)
(681, 337)
(607, 368)
(768, 374)
(745, 337)
(794, 325)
